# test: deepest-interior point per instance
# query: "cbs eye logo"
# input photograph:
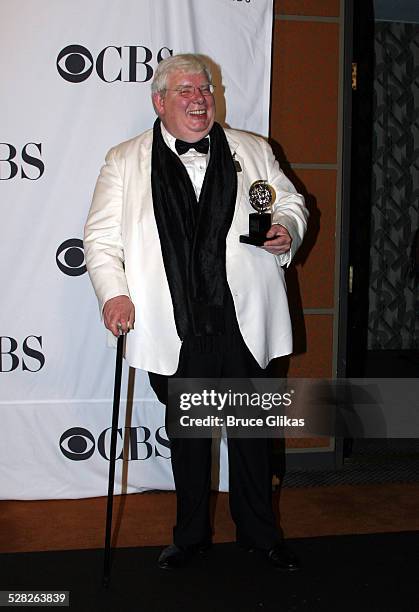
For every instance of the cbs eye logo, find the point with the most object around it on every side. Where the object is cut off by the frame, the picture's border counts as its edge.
(77, 444)
(70, 257)
(75, 63)
(126, 63)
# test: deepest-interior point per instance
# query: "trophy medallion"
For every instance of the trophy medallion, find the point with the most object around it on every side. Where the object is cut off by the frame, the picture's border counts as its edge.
(261, 197)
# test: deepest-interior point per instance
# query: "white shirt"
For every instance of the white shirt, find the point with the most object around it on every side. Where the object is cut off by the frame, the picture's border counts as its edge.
(194, 162)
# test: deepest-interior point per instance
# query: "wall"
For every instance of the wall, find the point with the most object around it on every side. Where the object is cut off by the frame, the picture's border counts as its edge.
(305, 133)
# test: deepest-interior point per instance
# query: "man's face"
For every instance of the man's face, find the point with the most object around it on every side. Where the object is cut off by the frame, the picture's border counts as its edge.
(189, 119)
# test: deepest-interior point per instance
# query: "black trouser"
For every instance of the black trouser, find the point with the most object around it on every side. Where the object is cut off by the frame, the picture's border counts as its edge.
(250, 481)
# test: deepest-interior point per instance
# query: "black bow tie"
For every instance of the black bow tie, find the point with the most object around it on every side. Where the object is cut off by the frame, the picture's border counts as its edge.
(201, 146)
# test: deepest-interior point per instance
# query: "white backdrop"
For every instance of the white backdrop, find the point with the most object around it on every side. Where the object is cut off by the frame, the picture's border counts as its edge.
(75, 81)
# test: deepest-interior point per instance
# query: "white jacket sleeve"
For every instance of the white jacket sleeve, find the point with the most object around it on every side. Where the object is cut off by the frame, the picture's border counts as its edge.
(289, 208)
(103, 246)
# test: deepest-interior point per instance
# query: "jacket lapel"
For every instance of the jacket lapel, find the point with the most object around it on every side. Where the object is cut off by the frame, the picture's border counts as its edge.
(239, 163)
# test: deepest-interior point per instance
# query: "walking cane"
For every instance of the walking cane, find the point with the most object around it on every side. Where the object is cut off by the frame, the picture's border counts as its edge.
(112, 458)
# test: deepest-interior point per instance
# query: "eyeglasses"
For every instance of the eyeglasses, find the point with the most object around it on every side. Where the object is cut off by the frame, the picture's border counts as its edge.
(187, 91)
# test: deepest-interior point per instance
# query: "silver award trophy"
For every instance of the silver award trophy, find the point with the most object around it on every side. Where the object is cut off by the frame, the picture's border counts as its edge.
(261, 197)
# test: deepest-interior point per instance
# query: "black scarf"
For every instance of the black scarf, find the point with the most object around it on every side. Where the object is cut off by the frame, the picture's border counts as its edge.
(193, 234)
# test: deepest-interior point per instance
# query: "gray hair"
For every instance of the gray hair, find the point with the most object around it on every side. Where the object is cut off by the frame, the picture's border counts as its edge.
(190, 63)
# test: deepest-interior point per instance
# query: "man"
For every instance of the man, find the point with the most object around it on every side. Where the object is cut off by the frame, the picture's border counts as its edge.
(162, 248)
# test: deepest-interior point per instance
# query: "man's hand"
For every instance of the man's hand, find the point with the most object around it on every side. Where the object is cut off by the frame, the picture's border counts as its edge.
(119, 310)
(278, 240)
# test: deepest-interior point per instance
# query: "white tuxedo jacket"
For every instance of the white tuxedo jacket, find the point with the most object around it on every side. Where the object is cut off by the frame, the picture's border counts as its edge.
(123, 254)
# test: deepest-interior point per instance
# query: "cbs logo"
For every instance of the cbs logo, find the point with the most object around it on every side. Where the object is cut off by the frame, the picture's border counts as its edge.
(77, 444)
(29, 160)
(133, 444)
(129, 63)
(70, 257)
(32, 359)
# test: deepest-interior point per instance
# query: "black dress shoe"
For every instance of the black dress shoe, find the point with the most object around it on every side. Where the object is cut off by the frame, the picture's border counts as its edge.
(283, 559)
(173, 557)
(279, 556)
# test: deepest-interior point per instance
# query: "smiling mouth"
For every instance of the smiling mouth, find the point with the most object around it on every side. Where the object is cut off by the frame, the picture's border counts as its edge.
(199, 112)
